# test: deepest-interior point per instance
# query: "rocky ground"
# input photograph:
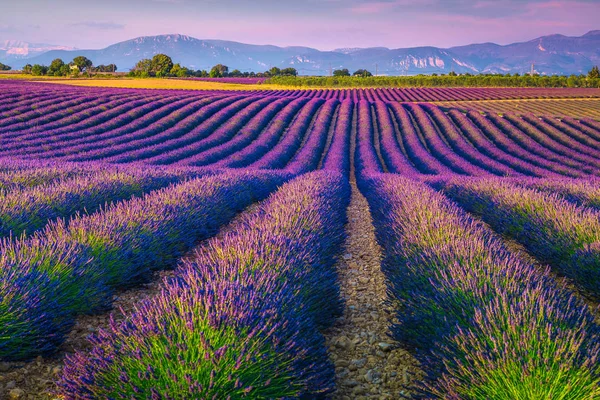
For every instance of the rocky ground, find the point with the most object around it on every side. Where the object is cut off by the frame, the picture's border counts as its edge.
(368, 363)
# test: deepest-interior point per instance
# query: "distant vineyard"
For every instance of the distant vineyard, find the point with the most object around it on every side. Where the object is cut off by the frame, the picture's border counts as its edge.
(101, 188)
(233, 130)
(581, 108)
(417, 94)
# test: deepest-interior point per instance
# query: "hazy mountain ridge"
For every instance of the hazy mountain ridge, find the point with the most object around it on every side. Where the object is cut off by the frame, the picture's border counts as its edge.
(553, 54)
(13, 50)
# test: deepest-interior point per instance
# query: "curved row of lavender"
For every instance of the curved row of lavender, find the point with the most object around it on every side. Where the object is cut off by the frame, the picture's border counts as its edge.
(554, 229)
(69, 269)
(416, 94)
(72, 266)
(255, 301)
(221, 129)
(483, 321)
(252, 302)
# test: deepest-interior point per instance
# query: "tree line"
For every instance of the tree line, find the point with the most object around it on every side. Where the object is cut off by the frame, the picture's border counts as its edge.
(58, 67)
(161, 65)
(4, 67)
(363, 78)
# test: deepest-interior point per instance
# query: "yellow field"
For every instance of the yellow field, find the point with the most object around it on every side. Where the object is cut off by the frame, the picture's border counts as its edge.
(577, 107)
(177, 84)
(26, 77)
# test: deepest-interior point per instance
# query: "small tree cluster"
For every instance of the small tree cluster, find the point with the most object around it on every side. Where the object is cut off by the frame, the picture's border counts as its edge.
(362, 73)
(594, 73)
(4, 67)
(58, 67)
(105, 68)
(161, 65)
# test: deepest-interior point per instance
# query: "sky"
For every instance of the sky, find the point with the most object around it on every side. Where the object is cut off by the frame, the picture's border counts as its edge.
(322, 24)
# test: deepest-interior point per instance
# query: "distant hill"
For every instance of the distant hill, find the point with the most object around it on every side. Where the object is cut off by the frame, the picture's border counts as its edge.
(12, 51)
(554, 54)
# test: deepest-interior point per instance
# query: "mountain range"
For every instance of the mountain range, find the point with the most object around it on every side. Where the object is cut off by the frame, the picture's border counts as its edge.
(553, 54)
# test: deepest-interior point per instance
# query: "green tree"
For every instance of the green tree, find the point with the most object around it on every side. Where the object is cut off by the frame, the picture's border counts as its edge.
(161, 65)
(65, 70)
(38, 70)
(180, 71)
(83, 63)
(594, 73)
(219, 71)
(142, 67)
(4, 67)
(341, 72)
(274, 71)
(236, 73)
(362, 72)
(55, 67)
(289, 72)
(27, 69)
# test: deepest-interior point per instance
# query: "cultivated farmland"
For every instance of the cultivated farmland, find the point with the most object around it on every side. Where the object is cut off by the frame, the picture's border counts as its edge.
(298, 243)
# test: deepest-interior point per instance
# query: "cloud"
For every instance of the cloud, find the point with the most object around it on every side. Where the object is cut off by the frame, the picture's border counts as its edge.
(9, 29)
(106, 26)
(378, 7)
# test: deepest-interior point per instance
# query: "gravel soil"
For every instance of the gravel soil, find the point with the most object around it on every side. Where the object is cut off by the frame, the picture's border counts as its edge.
(368, 363)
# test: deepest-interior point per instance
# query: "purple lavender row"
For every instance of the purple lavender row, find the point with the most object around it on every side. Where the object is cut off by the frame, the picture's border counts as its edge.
(227, 109)
(583, 192)
(531, 146)
(337, 157)
(281, 153)
(10, 100)
(567, 138)
(140, 117)
(391, 152)
(20, 175)
(174, 123)
(43, 115)
(415, 149)
(42, 101)
(439, 148)
(484, 322)
(462, 147)
(519, 146)
(50, 278)
(559, 233)
(59, 120)
(271, 135)
(230, 142)
(29, 209)
(224, 133)
(486, 146)
(308, 156)
(590, 123)
(577, 132)
(65, 116)
(365, 156)
(27, 113)
(52, 135)
(249, 305)
(590, 164)
(594, 134)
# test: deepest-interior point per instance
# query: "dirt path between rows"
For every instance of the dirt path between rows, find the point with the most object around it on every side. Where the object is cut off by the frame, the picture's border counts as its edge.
(368, 363)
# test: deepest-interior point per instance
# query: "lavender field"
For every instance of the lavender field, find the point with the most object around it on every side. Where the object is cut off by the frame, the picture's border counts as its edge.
(486, 243)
